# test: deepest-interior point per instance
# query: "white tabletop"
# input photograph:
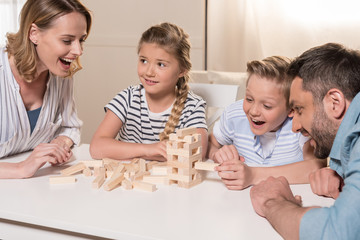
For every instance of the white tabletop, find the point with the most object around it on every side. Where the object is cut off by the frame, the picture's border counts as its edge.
(206, 211)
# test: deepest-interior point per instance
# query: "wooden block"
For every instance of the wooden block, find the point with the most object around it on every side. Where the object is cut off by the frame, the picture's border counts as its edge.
(96, 171)
(150, 165)
(193, 158)
(142, 165)
(87, 172)
(126, 184)
(178, 177)
(197, 137)
(110, 160)
(207, 166)
(100, 179)
(159, 170)
(187, 171)
(139, 176)
(185, 131)
(173, 137)
(135, 161)
(144, 186)
(178, 152)
(109, 167)
(132, 167)
(157, 179)
(108, 174)
(62, 179)
(189, 139)
(178, 164)
(116, 178)
(193, 145)
(189, 184)
(73, 169)
(93, 163)
(114, 181)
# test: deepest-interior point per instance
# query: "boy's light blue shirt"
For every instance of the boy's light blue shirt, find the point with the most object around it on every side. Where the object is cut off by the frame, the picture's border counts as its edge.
(342, 220)
(233, 128)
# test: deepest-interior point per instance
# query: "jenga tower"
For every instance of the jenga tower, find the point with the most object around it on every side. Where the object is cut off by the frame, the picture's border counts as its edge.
(183, 151)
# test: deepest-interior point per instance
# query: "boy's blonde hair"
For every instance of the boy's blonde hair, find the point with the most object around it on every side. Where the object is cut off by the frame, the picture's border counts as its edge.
(43, 13)
(176, 42)
(273, 68)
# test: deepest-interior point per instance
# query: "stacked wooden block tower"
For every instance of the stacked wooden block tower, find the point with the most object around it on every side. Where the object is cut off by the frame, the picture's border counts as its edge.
(183, 151)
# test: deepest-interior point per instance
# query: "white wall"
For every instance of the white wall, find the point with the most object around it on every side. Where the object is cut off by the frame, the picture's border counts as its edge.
(110, 57)
(244, 30)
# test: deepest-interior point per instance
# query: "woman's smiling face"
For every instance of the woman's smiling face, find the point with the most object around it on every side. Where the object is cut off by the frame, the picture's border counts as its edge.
(61, 44)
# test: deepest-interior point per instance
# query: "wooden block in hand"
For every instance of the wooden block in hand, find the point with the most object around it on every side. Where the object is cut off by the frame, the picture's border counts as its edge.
(207, 166)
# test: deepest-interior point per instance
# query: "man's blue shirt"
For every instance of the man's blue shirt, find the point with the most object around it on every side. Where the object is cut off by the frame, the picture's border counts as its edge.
(342, 220)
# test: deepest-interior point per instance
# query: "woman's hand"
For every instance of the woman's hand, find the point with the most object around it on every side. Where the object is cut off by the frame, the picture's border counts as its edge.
(43, 153)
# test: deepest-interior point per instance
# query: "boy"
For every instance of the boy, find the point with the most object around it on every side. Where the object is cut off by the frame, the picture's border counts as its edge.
(258, 129)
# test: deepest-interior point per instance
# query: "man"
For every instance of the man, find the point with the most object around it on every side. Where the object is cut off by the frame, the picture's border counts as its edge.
(325, 100)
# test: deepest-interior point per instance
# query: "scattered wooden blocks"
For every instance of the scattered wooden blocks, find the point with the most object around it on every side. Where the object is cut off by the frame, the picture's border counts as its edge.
(184, 159)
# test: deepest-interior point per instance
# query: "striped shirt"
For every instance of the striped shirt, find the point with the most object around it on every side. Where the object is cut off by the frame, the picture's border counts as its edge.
(233, 128)
(140, 125)
(57, 117)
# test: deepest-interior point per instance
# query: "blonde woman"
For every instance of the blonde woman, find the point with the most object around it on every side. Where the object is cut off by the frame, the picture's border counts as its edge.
(145, 115)
(37, 110)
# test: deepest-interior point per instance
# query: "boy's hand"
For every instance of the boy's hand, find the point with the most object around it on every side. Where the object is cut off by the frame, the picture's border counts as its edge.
(235, 174)
(326, 182)
(226, 153)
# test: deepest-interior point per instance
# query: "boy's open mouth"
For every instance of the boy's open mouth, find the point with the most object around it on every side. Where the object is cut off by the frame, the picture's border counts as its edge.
(258, 122)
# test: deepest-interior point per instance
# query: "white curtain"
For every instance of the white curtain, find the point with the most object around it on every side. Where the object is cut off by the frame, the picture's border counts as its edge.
(9, 17)
(244, 30)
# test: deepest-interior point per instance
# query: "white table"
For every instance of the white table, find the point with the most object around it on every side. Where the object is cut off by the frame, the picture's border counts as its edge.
(34, 209)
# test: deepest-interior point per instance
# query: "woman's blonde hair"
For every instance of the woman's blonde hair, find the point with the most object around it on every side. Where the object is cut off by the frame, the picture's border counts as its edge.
(176, 42)
(43, 13)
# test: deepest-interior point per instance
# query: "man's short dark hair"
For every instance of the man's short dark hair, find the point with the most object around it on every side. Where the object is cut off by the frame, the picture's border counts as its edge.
(328, 66)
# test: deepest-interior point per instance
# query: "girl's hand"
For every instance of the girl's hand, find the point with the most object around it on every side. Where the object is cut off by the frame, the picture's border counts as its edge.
(156, 151)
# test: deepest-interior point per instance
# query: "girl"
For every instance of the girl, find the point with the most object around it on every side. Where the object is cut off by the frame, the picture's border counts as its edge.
(37, 109)
(145, 115)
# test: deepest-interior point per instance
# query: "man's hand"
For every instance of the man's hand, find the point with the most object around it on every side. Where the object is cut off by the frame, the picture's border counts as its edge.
(272, 191)
(326, 182)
